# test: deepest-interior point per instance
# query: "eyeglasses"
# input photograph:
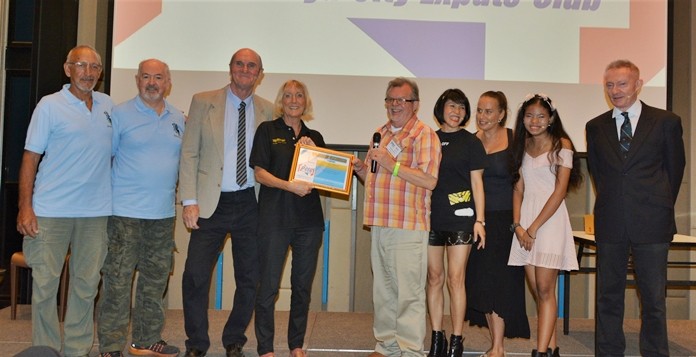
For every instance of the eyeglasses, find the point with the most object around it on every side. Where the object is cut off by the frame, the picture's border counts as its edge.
(399, 101)
(83, 65)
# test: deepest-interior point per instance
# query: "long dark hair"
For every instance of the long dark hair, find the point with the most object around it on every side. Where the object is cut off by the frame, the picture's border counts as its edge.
(555, 130)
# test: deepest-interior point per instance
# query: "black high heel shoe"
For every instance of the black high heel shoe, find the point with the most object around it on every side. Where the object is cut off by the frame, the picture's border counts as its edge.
(438, 344)
(456, 346)
(536, 353)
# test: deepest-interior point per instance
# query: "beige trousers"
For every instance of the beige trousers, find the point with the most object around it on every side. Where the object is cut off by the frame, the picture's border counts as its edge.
(399, 266)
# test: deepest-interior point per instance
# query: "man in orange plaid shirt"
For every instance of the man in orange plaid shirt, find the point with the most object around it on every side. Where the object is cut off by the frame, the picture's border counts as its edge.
(397, 207)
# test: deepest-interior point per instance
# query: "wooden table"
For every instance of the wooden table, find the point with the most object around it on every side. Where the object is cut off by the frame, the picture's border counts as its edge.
(585, 241)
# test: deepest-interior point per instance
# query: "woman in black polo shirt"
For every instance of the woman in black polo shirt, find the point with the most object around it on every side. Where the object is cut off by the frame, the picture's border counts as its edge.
(290, 215)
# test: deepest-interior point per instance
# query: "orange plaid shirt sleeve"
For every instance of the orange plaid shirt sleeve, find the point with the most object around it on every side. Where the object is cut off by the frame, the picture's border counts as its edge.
(392, 201)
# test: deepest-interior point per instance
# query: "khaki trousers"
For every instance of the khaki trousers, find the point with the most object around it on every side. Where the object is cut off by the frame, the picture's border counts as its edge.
(399, 266)
(45, 254)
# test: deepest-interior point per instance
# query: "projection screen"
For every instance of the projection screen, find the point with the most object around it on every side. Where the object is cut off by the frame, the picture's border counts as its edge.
(347, 50)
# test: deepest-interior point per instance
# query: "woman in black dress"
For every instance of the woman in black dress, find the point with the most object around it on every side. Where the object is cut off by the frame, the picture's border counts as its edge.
(495, 291)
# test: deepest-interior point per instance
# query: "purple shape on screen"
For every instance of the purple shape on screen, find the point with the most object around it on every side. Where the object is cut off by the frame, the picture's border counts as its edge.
(430, 48)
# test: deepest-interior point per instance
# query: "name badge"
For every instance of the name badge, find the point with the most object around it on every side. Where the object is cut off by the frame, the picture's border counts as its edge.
(394, 149)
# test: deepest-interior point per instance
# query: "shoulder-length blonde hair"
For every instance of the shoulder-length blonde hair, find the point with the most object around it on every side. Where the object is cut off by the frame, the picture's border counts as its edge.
(308, 113)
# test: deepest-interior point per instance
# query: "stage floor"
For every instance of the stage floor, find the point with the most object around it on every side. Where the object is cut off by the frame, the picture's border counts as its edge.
(343, 334)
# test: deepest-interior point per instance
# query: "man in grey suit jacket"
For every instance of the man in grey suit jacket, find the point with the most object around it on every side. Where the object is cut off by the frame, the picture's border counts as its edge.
(217, 190)
(636, 157)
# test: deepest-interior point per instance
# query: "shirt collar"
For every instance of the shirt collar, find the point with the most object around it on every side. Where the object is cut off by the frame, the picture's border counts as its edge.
(144, 108)
(72, 99)
(633, 111)
(236, 101)
(387, 127)
(281, 124)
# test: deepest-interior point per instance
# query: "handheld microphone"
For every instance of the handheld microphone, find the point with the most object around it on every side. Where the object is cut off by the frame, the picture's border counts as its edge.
(376, 138)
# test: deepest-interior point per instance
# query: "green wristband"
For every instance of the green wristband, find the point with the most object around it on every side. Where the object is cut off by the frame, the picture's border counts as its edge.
(395, 173)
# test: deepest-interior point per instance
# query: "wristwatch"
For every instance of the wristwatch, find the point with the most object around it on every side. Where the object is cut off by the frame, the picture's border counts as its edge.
(514, 226)
(483, 223)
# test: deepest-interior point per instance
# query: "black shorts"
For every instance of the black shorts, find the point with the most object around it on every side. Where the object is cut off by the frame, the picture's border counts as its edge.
(442, 238)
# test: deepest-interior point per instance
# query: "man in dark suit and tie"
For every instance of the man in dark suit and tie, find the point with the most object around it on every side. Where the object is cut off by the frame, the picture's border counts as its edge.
(216, 186)
(636, 157)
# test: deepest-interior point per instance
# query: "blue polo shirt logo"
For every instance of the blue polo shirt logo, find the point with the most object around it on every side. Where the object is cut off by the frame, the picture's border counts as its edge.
(108, 119)
(177, 131)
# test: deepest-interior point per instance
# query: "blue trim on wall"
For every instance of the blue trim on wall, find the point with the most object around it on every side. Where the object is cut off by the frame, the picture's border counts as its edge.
(325, 268)
(561, 292)
(218, 285)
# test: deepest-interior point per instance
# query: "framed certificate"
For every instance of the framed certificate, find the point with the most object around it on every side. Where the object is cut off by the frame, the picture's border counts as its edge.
(326, 169)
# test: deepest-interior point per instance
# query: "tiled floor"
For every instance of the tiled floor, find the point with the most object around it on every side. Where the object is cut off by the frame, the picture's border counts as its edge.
(350, 335)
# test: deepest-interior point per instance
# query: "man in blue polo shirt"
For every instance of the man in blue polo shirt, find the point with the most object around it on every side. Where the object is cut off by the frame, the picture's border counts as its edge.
(64, 202)
(146, 145)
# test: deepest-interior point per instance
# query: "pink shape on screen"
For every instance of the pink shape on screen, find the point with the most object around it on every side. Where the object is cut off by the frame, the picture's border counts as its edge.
(131, 15)
(644, 43)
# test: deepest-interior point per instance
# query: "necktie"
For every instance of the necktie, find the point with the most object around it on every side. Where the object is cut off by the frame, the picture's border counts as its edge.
(626, 134)
(241, 146)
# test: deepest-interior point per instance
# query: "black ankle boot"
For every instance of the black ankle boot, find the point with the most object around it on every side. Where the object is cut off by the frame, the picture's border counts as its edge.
(456, 346)
(555, 353)
(536, 353)
(438, 344)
